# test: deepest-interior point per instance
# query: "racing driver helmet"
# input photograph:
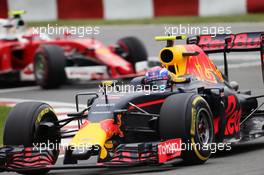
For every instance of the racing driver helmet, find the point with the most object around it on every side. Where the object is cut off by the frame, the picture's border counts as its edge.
(157, 76)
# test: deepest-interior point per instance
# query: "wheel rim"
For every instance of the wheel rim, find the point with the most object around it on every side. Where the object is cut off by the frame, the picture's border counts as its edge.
(38, 138)
(40, 67)
(203, 128)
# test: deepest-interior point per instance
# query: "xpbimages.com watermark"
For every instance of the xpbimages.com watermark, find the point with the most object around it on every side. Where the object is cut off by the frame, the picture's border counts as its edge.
(128, 88)
(196, 30)
(212, 147)
(81, 148)
(76, 31)
(163, 148)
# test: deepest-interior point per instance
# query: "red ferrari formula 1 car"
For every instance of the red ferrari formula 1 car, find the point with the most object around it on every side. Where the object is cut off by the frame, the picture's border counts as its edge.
(28, 56)
(190, 110)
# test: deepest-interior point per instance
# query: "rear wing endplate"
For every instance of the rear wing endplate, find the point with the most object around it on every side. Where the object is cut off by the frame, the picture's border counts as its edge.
(224, 43)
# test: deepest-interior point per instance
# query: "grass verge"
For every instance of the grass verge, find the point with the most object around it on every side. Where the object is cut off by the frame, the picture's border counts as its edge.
(3, 115)
(258, 17)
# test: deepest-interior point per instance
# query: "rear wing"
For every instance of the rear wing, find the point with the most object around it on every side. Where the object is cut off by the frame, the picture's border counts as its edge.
(224, 43)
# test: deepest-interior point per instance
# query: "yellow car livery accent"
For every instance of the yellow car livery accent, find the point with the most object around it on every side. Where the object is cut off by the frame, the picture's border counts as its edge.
(91, 134)
(179, 61)
(107, 83)
(188, 60)
(179, 79)
(109, 144)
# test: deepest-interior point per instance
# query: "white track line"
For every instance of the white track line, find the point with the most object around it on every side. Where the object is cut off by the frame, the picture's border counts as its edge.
(20, 89)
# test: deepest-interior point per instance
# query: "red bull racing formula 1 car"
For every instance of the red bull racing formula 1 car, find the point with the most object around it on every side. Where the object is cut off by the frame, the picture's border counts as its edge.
(29, 56)
(190, 110)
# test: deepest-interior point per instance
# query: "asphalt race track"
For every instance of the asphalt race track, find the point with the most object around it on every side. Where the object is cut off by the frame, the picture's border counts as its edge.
(244, 68)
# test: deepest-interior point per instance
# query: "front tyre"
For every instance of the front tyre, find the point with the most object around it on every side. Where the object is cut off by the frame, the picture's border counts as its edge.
(21, 128)
(188, 116)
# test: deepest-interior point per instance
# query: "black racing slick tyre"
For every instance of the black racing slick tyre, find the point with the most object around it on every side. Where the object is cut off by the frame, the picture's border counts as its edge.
(188, 116)
(49, 65)
(135, 49)
(21, 128)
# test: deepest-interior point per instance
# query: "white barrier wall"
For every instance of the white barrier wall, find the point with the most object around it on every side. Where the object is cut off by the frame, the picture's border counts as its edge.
(127, 9)
(43, 10)
(222, 7)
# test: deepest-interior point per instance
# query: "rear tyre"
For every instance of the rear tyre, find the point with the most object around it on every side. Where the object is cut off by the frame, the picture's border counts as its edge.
(49, 64)
(134, 49)
(188, 116)
(21, 128)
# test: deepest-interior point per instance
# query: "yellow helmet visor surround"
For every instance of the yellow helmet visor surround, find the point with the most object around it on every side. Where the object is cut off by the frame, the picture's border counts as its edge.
(172, 58)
